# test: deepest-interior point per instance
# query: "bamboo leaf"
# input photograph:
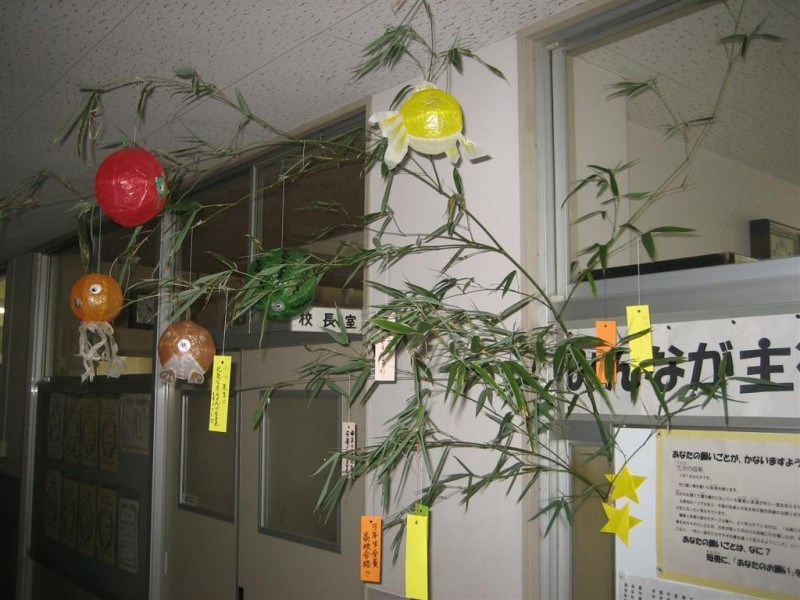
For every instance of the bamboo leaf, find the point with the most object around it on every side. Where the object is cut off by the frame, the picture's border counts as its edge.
(590, 215)
(392, 326)
(505, 285)
(649, 244)
(672, 229)
(457, 180)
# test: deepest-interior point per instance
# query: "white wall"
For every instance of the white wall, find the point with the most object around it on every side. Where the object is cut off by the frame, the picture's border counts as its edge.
(597, 136)
(475, 553)
(723, 196)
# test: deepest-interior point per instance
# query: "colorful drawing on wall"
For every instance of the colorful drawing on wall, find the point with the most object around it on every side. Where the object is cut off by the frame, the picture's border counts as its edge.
(96, 299)
(106, 525)
(130, 186)
(90, 422)
(108, 434)
(286, 279)
(52, 504)
(87, 513)
(430, 122)
(185, 351)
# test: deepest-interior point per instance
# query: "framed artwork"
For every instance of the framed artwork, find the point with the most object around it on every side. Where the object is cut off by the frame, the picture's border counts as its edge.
(769, 239)
(142, 311)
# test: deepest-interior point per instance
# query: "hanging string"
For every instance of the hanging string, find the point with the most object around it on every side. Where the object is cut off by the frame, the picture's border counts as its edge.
(99, 245)
(136, 119)
(191, 251)
(191, 255)
(225, 322)
(349, 392)
(417, 470)
(638, 276)
(283, 209)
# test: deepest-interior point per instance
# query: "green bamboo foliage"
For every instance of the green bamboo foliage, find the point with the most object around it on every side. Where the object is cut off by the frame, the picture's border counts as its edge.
(457, 357)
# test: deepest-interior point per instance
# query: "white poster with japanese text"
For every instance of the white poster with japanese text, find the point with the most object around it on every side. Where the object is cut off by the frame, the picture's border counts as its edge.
(135, 423)
(128, 535)
(728, 511)
(764, 348)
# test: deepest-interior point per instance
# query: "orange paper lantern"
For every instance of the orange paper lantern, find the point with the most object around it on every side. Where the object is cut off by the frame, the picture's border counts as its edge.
(96, 300)
(96, 297)
(185, 351)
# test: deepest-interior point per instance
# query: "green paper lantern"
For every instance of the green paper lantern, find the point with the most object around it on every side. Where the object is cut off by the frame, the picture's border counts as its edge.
(288, 285)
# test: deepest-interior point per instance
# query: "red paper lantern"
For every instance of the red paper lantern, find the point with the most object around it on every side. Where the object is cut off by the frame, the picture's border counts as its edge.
(130, 186)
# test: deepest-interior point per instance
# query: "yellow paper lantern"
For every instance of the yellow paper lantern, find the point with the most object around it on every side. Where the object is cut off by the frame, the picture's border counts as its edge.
(430, 121)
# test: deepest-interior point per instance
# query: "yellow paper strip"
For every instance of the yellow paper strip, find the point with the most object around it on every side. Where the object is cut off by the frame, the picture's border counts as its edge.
(417, 557)
(642, 347)
(606, 331)
(220, 388)
(371, 548)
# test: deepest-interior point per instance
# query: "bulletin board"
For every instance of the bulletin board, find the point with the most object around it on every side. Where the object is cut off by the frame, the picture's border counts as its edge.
(718, 512)
(92, 484)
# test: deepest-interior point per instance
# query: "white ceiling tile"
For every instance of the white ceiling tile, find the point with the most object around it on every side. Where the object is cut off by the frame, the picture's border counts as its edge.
(294, 61)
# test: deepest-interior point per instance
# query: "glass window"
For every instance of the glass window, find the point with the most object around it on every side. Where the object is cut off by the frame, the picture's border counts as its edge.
(317, 209)
(2, 344)
(221, 228)
(133, 331)
(307, 431)
(662, 92)
(210, 491)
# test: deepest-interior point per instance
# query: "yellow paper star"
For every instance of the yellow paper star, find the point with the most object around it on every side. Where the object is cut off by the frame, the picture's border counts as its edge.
(619, 522)
(625, 484)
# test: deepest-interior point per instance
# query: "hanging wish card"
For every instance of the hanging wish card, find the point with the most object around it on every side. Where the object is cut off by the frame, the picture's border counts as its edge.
(641, 347)
(417, 557)
(371, 548)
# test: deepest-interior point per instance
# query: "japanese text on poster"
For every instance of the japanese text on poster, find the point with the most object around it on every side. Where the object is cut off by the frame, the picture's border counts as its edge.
(135, 423)
(128, 534)
(728, 511)
(765, 347)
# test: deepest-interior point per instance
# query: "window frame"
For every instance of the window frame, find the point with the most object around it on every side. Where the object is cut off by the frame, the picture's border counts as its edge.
(248, 333)
(269, 527)
(765, 287)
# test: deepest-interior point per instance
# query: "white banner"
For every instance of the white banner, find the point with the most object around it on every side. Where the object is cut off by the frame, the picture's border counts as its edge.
(761, 347)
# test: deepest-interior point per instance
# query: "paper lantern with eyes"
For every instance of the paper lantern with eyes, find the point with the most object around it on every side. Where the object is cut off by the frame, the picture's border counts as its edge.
(96, 300)
(429, 121)
(130, 186)
(185, 351)
(286, 279)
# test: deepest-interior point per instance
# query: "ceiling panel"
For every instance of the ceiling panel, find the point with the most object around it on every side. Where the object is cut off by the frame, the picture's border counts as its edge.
(757, 125)
(42, 40)
(293, 61)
